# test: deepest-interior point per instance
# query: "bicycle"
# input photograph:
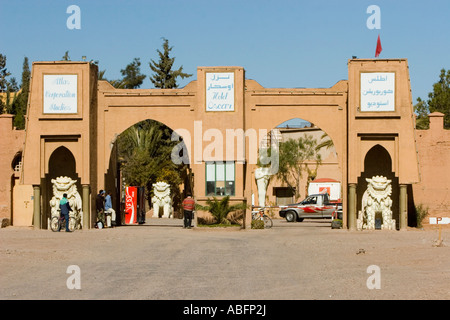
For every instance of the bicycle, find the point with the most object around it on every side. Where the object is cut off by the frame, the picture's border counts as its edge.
(260, 215)
(60, 222)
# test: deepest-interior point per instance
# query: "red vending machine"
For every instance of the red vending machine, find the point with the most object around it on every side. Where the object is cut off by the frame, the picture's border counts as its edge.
(131, 198)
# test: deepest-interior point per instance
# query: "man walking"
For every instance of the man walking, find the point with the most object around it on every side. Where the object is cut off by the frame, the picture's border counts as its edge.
(188, 208)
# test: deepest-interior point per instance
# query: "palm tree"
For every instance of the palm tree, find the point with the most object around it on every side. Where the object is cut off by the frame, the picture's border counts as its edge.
(327, 144)
(220, 208)
(143, 136)
(145, 156)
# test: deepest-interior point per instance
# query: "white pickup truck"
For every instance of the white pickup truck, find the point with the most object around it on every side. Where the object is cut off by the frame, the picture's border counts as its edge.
(315, 206)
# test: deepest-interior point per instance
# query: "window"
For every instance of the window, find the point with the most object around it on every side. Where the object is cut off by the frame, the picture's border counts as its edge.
(310, 200)
(284, 196)
(220, 178)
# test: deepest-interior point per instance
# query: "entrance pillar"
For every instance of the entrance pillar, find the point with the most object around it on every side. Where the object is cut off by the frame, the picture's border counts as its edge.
(351, 206)
(86, 207)
(37, 206)
(403, 206)
(248, 216)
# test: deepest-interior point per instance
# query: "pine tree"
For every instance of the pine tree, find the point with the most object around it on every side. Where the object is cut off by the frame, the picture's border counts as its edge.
(132, 77)
(20, 105)
(12, 88)
(165, 77)
(3, 81)
(3, 73)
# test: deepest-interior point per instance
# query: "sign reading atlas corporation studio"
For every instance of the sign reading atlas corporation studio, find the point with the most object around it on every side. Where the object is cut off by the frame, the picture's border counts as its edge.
(378, 91)
(60, 93)
(220, 91)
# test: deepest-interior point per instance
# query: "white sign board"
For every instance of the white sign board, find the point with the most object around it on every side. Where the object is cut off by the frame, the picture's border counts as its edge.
(220, 91)
(332, 188)
(377, 91)
(439, 220)
(60, 93)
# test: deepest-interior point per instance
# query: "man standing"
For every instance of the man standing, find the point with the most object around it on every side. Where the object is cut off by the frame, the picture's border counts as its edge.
(65, 209)
(188, 208)
(100, 204)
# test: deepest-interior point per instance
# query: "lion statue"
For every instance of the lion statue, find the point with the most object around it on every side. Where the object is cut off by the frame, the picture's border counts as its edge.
(376, 199)
(63, 185)
(162, 199)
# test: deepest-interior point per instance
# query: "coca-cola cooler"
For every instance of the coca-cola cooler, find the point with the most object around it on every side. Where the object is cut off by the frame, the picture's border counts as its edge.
(134, 205)
(131, 196)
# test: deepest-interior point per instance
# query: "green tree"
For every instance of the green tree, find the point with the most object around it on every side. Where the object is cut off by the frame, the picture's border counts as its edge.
(145, 154)
(220, 208)
(295, 158)
(142, 149)
(3, 81)
(164, 77)
(327, 143)
(11, 87)
(438, 100)
(118, 84)
(20, 105)
(422, 111)
(132, 77)
(101, 75)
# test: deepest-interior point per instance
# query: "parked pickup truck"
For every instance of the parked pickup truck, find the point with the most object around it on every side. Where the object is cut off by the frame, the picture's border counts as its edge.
(314, 206)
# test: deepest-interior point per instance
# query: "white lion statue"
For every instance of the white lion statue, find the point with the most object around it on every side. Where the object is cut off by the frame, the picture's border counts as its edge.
(63, 185)
(162, 199)
(377, 198)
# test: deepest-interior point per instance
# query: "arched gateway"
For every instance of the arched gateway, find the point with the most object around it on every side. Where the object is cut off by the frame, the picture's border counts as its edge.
(222, 117)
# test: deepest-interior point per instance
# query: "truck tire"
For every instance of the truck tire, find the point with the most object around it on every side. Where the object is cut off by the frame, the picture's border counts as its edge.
(291, 216)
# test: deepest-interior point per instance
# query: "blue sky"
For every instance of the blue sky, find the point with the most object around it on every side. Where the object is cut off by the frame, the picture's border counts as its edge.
(281, 44)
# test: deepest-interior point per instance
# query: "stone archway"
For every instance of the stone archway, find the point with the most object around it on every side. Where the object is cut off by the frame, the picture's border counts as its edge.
(323, 164)
(61, 163)
(147, 139)
(378, 162)
(100, 112)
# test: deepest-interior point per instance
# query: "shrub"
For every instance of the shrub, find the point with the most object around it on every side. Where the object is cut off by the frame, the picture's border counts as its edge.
(257, 224)
(220, 209)
(421, 214)
(336, 224)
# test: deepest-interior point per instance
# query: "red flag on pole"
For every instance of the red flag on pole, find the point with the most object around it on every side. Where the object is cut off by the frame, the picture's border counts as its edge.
(378, 50)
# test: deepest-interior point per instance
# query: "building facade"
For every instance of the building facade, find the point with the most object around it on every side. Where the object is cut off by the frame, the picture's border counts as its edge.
(73, 121)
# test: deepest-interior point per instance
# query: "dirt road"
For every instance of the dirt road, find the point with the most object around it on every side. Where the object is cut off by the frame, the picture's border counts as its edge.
(307, 260)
